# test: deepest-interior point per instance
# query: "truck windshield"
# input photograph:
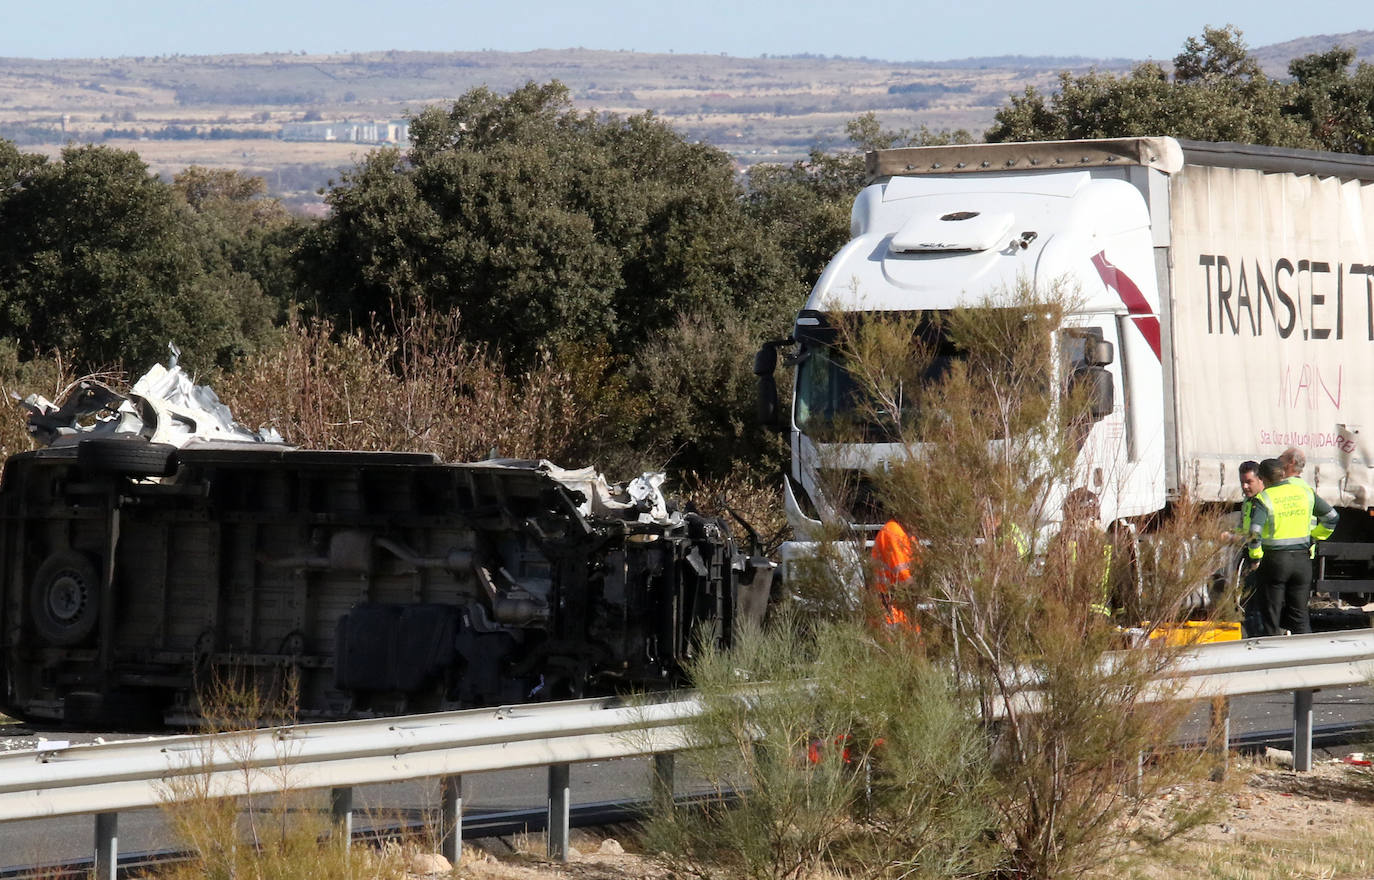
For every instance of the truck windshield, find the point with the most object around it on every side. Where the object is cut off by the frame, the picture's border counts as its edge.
(832, 404)
(1009, 356)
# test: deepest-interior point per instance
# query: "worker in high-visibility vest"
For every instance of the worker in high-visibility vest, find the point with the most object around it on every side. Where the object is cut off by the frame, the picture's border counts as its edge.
(1294, 462)
(1082, 533)
(1004, 533)
(1250, 486)
(894, 555)
(1284, 521)
(1250, 597)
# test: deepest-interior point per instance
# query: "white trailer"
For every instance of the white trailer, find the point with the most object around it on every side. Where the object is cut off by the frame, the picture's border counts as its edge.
(1233, 285)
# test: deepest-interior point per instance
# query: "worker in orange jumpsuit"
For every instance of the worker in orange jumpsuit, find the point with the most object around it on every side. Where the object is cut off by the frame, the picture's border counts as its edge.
(894, 555)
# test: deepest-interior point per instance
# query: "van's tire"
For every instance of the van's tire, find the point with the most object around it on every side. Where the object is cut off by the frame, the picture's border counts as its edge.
(127, 456)
(64, 598)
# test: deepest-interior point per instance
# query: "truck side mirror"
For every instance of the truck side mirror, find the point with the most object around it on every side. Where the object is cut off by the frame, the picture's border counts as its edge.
(768, 403)
(766, 359)
(765, 363)
(1100, 398)
(1098, 353)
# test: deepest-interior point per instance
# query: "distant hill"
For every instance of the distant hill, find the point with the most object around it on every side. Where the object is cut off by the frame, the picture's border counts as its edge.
(752, 106)
(1275, 58)
(232, 110)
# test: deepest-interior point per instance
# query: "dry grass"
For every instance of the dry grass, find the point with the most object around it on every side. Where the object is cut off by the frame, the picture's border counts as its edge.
(248, 154)
(422, 389)
(592, 859)
(1341, 852)
(1279, 824)
(288, 835)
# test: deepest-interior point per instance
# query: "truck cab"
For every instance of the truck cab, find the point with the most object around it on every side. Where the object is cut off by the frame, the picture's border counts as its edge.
(923, 243)
(1220, 310)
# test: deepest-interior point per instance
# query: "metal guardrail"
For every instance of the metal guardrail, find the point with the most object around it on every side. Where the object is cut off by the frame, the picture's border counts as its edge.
(107, 778)
(56, 780)
(1270, 665)
(141, 773)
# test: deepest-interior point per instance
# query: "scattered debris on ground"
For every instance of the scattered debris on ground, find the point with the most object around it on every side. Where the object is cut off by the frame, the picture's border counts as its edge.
(1277, 801)
(592, 856)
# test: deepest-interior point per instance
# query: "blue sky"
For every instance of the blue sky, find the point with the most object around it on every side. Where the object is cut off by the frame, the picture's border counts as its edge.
(913, 31)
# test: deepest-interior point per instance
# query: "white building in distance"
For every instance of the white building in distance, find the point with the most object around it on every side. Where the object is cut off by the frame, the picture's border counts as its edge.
(392, 132)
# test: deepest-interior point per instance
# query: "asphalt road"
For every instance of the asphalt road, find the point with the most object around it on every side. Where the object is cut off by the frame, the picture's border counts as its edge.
(48, 841)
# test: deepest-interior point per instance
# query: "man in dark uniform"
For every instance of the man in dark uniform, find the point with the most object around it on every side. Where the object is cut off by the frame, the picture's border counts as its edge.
(1281, 535)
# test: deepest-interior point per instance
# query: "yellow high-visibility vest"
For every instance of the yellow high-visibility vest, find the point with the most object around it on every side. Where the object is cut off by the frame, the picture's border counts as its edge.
(1290, 513)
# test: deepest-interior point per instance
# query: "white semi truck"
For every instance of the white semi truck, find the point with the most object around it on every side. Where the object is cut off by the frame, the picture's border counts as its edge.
(1224, 307)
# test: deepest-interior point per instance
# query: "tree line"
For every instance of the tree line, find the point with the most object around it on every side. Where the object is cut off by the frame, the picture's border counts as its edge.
(642, 263)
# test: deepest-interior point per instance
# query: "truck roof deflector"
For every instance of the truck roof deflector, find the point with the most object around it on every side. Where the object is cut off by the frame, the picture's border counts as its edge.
(953, 231)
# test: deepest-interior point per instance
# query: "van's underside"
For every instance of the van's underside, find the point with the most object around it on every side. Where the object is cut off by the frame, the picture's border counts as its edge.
(143, 583)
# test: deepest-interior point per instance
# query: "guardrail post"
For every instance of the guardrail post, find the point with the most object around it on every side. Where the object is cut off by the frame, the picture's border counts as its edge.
(451, 818)
(341, 812)
(1219, 736)
(106, 846)
(661, 786)
(1302, 731)
(558, 812)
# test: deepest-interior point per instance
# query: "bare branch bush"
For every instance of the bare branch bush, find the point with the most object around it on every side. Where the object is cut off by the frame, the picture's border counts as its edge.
(285, 835)
(743, 492)
(419, 389)
(1014, 584)
(1044, 640)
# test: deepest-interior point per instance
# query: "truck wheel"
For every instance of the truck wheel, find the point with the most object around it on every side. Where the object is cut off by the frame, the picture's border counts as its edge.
(127, 456)
(64, 599)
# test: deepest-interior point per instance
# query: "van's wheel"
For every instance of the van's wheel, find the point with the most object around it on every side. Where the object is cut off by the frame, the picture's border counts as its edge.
(64, 598)
(128, 456)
